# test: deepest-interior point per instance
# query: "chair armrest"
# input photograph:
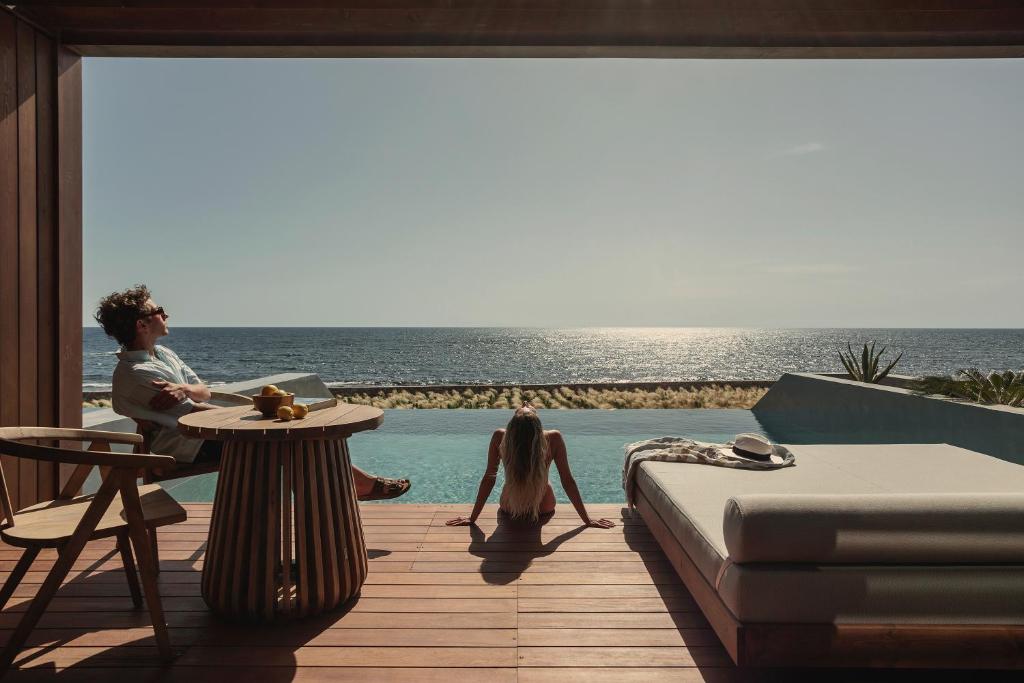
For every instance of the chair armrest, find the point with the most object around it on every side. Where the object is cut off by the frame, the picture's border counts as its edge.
(59, 434)
(8, 446)
(229, 398)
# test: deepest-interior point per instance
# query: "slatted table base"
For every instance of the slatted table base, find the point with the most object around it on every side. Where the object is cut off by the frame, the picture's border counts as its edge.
(274, 557)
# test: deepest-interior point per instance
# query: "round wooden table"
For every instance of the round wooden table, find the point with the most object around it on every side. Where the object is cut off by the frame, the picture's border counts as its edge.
(285, 539)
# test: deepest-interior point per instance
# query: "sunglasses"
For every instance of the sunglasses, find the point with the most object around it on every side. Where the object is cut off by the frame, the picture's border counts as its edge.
(157, 311)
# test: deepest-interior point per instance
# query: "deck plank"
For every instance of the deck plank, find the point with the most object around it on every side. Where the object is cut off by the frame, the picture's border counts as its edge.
(202, 655)
(557, 565)
(220, 636)
(634, 675)
(216, 674)
(676, 590)
(574, 620)
(623, 656)
(617, 637)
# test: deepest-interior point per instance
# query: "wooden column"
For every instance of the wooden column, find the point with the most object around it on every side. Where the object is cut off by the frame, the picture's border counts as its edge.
(9, 357)
(40, 243)
(69, 242)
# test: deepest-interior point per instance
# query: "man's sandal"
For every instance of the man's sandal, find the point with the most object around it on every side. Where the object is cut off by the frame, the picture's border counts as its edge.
(385, 489)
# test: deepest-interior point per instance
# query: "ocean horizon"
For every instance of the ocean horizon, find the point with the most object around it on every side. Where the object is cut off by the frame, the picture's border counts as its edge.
(384, 356)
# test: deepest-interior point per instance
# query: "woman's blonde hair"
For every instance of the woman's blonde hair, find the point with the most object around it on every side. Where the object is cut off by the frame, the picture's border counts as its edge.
(524, 453)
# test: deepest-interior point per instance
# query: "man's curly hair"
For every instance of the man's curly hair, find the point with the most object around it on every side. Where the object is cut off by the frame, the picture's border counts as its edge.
(118, 313)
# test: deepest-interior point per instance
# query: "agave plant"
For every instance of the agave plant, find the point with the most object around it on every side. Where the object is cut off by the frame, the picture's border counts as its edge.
(1005, 388)
(865, 369)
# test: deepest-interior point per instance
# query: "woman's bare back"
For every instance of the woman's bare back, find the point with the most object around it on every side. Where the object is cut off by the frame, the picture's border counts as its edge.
(547, 501)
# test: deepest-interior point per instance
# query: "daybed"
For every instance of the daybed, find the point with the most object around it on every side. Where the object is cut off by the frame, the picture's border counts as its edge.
(878, 555)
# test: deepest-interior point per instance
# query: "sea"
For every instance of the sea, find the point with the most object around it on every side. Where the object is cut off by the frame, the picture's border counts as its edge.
(383, 356)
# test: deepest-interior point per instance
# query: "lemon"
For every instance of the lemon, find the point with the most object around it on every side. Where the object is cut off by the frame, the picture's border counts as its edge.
(269, 390)
(285, 413)
(300, 410)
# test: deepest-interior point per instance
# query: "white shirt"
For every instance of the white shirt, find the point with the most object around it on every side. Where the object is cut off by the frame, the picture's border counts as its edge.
(133, 389)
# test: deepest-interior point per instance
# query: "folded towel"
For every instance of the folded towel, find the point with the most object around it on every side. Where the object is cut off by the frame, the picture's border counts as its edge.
(679, 449)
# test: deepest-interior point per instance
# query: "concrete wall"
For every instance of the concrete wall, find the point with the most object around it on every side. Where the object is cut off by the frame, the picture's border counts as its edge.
(891, 380)
(869, 413)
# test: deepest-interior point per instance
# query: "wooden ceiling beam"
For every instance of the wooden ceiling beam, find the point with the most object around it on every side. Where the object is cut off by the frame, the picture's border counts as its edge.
(772, 24)
(590, 27)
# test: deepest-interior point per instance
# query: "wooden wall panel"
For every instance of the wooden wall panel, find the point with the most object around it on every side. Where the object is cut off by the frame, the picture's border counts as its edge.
(9, 365)
(69, 242)
(46, 227)
(28, 284)
(40, 244)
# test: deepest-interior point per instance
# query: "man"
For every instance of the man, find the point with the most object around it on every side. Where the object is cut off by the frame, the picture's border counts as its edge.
(152, 385)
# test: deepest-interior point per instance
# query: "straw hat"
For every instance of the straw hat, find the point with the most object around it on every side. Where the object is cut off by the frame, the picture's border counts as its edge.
(752, 447)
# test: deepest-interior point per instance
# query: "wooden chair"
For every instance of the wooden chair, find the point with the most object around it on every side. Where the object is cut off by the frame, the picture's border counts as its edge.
(178, 470)
(182, 469)
(70, 521)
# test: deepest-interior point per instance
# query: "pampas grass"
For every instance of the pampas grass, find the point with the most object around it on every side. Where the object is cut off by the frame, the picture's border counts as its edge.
(97, 403)
(715, 396)
(507, 398)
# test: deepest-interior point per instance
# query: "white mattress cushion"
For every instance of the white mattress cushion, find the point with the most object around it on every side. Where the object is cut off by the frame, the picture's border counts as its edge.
(890, 528)
(874, 594)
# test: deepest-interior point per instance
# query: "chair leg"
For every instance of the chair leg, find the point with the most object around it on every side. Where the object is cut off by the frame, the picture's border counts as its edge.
(125, 547)
(140, 540)
(156, 551)
(147, 478)
(17, 574)
(68, 554)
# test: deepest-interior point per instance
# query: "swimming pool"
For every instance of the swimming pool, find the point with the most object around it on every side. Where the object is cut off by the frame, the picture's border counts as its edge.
(444, 452)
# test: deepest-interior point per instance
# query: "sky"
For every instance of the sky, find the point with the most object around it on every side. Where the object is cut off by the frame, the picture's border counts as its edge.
(604, 192)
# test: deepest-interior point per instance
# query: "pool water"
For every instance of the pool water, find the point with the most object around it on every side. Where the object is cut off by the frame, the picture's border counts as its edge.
(444, 452)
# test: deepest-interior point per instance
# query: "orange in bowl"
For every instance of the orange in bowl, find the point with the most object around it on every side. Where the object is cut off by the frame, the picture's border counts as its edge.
(268, 405)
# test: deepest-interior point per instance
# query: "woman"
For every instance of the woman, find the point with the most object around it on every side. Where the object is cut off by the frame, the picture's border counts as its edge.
(527, 451)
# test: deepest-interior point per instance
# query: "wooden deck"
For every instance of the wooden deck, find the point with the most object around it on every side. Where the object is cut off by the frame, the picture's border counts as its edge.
(561, 603)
